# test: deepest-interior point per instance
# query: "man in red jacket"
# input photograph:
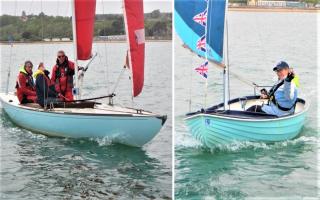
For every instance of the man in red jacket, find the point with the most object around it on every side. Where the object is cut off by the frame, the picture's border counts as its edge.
(26, 92)
(62, 76)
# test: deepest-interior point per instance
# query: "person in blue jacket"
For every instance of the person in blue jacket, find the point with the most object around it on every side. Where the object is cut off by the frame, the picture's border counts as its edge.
(283, 95)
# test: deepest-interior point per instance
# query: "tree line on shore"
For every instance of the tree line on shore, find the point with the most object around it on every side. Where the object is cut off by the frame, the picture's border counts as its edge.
(314, 2)
(38, 27)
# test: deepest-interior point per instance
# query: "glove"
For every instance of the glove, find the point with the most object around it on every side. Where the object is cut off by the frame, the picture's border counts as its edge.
(70, 72)
(290, 77)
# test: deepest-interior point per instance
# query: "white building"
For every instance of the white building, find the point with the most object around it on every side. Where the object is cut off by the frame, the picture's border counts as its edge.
(65, 39)
(271, 3)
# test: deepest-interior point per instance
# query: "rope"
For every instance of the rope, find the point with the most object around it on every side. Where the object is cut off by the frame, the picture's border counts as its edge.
(243, 80)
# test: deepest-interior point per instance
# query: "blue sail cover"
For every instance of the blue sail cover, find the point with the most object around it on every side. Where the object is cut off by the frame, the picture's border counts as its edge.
(192, 17)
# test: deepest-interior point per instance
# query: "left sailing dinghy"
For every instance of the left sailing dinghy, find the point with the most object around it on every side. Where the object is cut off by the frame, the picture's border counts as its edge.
(89, 119)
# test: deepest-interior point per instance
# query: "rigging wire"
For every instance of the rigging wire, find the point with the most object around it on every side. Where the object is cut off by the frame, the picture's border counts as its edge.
(118, 80)
(42, 16)
(10, 57)
(105, 50)
(42, 48)
(9, 68)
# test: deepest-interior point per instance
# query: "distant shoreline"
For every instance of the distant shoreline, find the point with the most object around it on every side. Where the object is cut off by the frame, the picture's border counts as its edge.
(272, 9)
(65, 42)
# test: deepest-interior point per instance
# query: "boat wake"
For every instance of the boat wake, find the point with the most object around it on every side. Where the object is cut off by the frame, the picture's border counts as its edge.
(186, 142)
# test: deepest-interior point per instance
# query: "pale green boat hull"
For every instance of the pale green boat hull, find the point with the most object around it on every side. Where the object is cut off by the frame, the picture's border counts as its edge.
(216, 129)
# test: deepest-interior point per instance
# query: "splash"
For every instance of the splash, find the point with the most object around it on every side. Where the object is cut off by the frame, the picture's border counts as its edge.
(185, 141)
(105, 141)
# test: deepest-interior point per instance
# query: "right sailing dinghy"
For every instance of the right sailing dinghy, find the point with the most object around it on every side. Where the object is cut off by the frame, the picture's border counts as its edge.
(201, 25)
(86, 118)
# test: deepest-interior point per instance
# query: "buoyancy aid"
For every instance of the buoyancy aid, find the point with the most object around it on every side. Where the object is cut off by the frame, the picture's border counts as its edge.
(25, 86)
(40, 72)
(44, 88)
(273, 90)
(62, 76)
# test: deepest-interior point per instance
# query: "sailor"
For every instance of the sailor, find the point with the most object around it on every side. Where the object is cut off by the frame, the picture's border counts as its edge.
(283, 95)
(45, 90)
(62, 76)
(25, 86)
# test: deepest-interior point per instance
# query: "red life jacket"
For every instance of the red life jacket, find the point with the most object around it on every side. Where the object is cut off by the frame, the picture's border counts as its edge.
(62, 77)
(25, 87)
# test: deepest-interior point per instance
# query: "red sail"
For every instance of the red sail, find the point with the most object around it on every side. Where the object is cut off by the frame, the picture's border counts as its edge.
(134, 22)
(84, 15)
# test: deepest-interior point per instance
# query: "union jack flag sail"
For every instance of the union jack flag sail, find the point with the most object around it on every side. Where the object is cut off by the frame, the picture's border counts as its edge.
(134, 23)
(197, 18)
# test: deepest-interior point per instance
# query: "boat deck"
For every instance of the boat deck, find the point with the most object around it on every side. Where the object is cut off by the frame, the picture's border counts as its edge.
(238, 107)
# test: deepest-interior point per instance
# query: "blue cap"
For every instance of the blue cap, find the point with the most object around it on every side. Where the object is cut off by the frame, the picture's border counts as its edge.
(281, 65)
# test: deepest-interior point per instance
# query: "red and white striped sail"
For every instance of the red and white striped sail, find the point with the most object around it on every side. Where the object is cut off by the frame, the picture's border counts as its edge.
(84, 17)
(134, 23)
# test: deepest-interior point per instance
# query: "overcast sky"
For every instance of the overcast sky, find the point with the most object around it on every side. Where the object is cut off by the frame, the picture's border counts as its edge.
(63, 7)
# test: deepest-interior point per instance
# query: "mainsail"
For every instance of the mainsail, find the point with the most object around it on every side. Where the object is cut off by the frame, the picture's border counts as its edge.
(200, 25)
(134, 23)
(84, 18)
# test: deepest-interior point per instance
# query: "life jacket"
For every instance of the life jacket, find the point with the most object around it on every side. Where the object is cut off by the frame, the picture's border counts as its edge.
(38, 72)
(273, 90)
(62, 76)
(28, 77)
(29, 90)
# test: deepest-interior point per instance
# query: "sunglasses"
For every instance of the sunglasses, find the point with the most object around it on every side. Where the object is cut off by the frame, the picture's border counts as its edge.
(61, 56)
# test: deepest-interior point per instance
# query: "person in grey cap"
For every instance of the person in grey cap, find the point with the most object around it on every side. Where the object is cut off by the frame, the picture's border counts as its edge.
(283, 95)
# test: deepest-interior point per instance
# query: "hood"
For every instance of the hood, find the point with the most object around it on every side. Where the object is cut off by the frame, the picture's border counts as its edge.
(23, 70)
(37, 73)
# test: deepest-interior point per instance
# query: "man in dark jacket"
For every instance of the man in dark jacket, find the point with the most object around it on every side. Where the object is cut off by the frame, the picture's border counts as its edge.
(45, 90)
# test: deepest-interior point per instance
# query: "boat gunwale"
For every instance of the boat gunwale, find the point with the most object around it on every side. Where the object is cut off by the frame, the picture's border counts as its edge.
(237, 118)
(148, 114)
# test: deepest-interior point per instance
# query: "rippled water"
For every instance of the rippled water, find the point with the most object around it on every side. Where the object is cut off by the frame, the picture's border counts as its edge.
(38, 167)
(288, 170)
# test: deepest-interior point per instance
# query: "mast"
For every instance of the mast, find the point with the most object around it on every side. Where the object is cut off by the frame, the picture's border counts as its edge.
(206, 57)
(76, 90)
(128, 56)
(225, 61)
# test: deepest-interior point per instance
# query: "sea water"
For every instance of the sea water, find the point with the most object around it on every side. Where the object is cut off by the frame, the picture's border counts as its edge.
(287, 170)
(35, 166)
